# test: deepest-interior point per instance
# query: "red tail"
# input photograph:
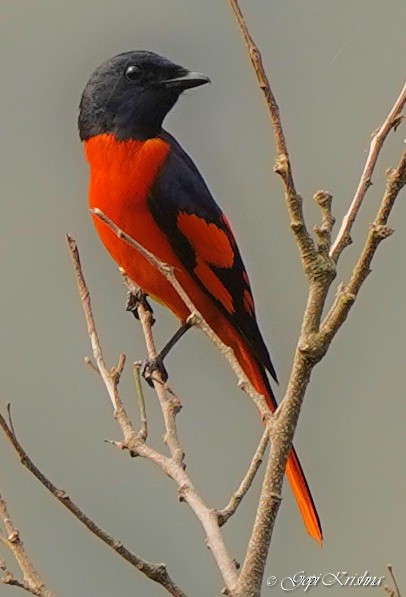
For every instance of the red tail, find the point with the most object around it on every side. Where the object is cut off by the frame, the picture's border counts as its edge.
(303, 497)
(294, 471)
(296, 476)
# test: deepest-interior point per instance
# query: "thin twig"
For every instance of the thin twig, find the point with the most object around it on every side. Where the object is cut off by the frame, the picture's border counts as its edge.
(282, 164)
(313, 342)
(347, 293)
(10, 419)
(246, 483)
(156, 572)
(110, 378)
(199, 321)
(311, 348)
(324, 200)
(173, 467)
(143, 432)
(396, 591)
(391, 122)
(170, 406)
(32, 581)
(117, 370)
(187, 492)
(88, 361)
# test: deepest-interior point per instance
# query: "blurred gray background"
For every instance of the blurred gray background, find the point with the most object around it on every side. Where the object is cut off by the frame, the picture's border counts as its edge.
(336, 68)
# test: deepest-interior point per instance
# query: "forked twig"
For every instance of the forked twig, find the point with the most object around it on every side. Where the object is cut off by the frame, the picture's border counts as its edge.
(156, 572)
(378, 231)
(396, 591)
(282, 166)
(392, 121)
(172, 466)
(315, 336)
(168, 272)
(110, 378)
(246, 483)
(32, 581)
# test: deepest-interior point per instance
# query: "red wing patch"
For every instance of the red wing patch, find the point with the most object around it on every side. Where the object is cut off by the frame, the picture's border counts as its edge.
(248, 302)
(209, 242)
(214, 285)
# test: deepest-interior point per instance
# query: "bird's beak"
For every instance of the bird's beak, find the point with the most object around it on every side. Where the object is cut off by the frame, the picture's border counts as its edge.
(186, 81)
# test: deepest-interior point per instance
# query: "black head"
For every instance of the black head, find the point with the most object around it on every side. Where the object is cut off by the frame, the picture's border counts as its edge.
(130, 95)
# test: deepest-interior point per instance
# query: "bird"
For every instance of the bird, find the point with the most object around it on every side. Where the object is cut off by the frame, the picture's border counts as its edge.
(144, 181)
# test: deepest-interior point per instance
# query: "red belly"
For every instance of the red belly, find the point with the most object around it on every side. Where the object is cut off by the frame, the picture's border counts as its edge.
(122, 174)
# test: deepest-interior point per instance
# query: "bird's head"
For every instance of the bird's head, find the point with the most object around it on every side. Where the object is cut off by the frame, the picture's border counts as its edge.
(130, 95)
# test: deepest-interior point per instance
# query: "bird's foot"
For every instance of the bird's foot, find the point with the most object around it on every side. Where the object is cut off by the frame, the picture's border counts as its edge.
(134, 300)
(150, 366)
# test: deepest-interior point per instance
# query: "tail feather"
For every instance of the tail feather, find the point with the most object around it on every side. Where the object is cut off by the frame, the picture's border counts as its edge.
(303, 497)
(294, 471)
(256, 373)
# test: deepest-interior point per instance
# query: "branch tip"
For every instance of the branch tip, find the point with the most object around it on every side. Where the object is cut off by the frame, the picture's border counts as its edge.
(392, 121)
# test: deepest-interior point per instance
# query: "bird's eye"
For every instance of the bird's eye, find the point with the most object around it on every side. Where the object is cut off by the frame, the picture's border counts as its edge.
(133, 73)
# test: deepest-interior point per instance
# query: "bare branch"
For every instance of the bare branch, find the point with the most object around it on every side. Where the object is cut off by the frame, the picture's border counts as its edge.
(170, 405)
(156, 572)
(391, 122)
(32, 581)
(250, 579)
(143, 432)
(115, 372)
(199, 321)
(347, 293)
(110, 379)
(324, 200)
(312, 345)
(392, 592)
(282, 165)
(176, 470)
(311, 348)
(246, 483)
(313, 341)
(173, 467)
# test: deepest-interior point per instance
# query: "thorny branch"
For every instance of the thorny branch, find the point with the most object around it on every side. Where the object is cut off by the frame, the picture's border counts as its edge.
(32, 581)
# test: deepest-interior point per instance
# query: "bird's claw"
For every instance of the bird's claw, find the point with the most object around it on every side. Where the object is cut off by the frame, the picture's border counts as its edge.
(152, 365)
(136, 298)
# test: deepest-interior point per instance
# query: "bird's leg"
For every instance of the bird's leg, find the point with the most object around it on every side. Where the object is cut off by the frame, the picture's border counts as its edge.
(157, 364)
(136, 298)
(181, 331)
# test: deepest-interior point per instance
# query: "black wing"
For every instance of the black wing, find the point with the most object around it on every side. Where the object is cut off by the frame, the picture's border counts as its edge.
(202, 239)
